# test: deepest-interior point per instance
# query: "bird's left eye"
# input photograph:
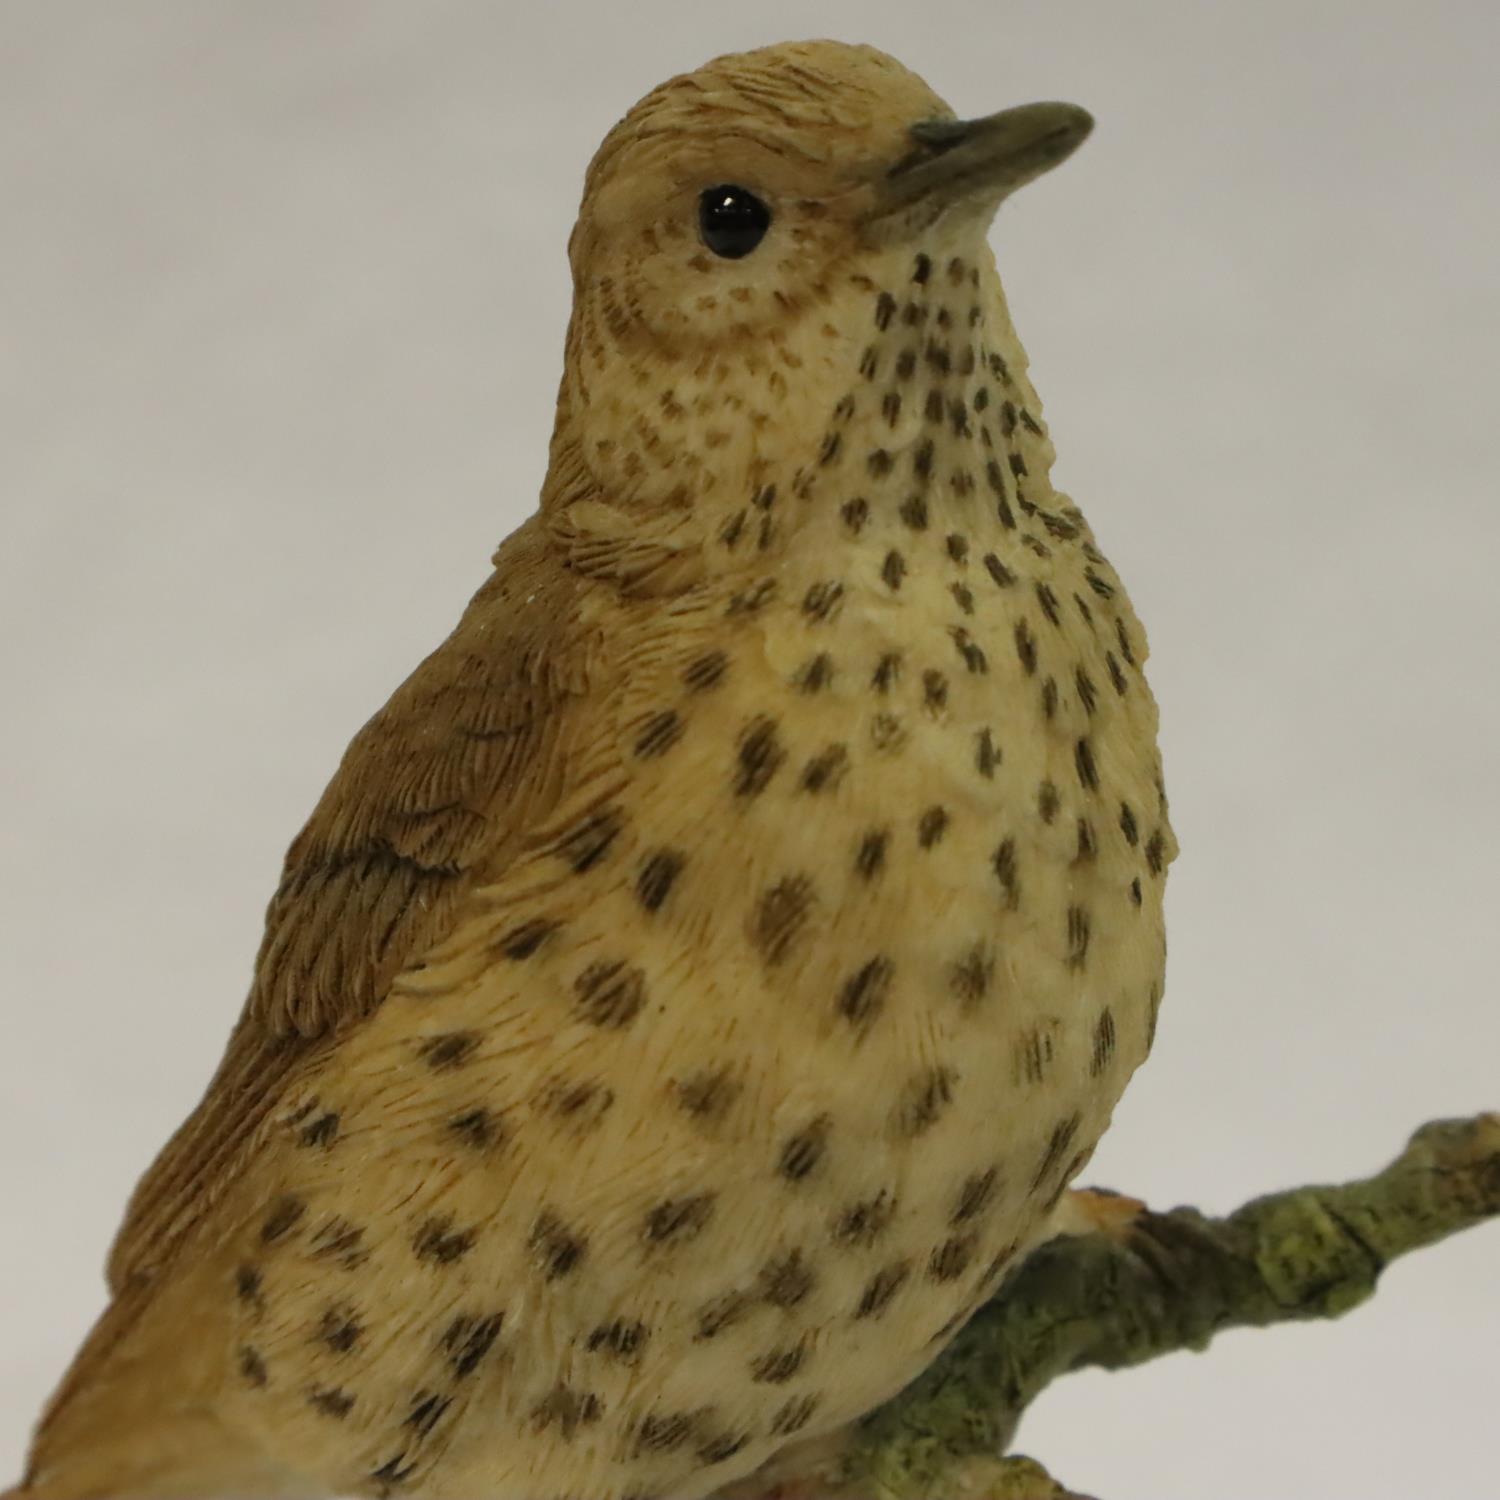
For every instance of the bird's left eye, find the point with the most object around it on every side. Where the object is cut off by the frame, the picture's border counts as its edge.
(732, 220)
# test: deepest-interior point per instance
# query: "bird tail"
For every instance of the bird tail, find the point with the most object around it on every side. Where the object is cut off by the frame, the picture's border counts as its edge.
(132, 1420)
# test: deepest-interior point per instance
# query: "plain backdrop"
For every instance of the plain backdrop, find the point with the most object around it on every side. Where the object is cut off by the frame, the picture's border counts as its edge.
(266, 272)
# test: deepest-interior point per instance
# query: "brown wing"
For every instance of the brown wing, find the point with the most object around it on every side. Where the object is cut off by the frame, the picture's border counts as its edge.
(456, 766)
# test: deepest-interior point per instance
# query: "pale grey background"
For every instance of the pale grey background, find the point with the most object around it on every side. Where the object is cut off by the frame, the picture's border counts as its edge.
(282, 291)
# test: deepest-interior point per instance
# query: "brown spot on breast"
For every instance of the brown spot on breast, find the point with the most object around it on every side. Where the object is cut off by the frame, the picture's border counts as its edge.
(969, 651)
(855, 513)
(860, 1224)
(660, 732)
(623, 1339)
(707, 1095)
(322, 1131)
(439, 1243)
(558, 1249)
(567, 1410)
(331, 1402)
(580, 1103)
(1079, 928)
(1047, 802)
(1088, 772)
(893, 569)
(1025, 647)
(720, 1313)
(678, 1220)
(951, 1259)
(468, 1339)
(1088, 843)
(752, 600)
(658, 874)
(665, 1432)
(870, 857)
(477, 1128)
(887, 733)
(1004, 863)
(732, 529)
(1104, 1041)
(802, 1151)
(393, 1471)
(822, 600)
(722, 1448)
(340, 1329)
(340, 1240)
(284, 1216)
(780, 917)
(815, 674)
(794, 1415)
(864, 993)
(998, 571)
(924, 1100)
(970, 977)
(426, 1411)
(588, 841)
(248, 1284)
(777, 1366)
(521, 942)
(1156, 853)
(887, 671)
(825, 770)
(986, 756)
(610, 993)
(975, 1196)
(252, 1366)
(449, 1051)
(1057, 1147)
(931, 826)
(881, 1288)
(913, 512)
(786, 1280)
(705, 672)
(1031, 1055)
(759, 756)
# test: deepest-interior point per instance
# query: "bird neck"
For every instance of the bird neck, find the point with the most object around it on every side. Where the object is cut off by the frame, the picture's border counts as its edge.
(904, 391)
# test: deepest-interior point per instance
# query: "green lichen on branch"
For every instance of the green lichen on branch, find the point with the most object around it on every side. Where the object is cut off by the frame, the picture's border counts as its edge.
(1147, 1284)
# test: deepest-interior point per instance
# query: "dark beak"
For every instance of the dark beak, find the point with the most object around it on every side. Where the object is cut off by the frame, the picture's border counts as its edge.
(977, 161)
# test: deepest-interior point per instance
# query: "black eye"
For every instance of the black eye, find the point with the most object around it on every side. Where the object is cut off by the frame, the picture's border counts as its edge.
(732, 220)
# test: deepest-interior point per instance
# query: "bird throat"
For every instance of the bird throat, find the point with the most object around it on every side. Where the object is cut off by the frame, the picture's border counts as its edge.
(897, 407)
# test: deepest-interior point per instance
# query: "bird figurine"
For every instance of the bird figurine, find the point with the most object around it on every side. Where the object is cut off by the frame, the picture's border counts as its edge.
(699, 983)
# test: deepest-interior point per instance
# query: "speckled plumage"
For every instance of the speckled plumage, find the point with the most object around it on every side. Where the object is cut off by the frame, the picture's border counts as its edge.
(701, 980)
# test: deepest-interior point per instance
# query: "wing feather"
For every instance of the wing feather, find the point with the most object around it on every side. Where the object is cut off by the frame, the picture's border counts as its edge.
(440, 784)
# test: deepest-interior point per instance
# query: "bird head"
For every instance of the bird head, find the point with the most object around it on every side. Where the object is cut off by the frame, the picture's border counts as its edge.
(737, 229)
